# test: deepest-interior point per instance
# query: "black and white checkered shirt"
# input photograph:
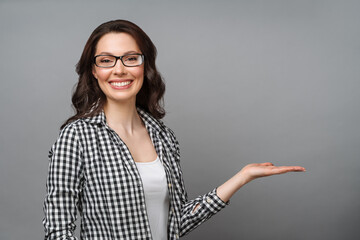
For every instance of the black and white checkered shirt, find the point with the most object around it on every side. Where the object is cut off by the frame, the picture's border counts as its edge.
(92, 171)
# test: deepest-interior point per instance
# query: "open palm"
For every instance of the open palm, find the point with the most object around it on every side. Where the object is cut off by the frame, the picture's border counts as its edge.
(256, 170)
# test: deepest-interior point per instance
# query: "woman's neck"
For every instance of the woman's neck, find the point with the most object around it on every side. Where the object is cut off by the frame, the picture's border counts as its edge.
(122, 117)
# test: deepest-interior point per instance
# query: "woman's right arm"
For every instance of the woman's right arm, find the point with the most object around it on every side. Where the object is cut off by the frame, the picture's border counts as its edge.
(63, 186)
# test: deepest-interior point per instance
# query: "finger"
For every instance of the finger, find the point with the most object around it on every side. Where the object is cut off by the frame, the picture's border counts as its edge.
(295, 168)
(299, 169)
(285, 169)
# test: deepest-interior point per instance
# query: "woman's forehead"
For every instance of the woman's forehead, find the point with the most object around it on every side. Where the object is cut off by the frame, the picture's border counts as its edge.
(117, 43)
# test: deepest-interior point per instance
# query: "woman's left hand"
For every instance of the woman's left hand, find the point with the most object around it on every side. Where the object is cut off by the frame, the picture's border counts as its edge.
(257, 170)
(249, 173)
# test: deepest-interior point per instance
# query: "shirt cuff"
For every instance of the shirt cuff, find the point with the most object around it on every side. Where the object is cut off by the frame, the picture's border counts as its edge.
(213, 202)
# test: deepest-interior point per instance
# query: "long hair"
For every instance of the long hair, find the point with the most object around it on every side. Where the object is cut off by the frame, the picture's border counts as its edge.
(88, 99)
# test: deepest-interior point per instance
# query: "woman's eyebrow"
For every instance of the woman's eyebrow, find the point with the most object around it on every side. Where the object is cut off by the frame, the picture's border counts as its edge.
(130, 52)
(109, 53)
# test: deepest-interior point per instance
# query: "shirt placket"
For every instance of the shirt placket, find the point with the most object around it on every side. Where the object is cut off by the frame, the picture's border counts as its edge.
(159, 147)
(130, 164)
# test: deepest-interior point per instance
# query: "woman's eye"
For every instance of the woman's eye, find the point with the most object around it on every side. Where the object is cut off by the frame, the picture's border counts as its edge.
(106, 60)
(132, 58)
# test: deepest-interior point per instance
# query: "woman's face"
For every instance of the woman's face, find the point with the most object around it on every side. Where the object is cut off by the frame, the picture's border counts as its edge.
(119, 83)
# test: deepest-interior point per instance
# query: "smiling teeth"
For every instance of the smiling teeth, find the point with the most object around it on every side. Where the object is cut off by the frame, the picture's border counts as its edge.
(120, 84)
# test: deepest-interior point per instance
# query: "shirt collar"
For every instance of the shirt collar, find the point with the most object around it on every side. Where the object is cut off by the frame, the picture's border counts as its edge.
(150, 122)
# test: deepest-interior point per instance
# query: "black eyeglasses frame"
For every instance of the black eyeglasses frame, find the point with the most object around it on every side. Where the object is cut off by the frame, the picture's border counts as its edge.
(119, 57)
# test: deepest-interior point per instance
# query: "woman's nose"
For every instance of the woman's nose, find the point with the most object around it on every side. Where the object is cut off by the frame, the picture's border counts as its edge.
(119, 67)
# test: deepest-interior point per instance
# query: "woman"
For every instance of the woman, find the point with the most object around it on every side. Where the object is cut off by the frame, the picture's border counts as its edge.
(114, 161)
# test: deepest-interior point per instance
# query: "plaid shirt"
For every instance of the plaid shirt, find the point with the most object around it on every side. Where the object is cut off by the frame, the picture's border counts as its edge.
(92, 171)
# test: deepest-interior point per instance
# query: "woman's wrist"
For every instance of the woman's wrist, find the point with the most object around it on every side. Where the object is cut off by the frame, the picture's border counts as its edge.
(231, 186)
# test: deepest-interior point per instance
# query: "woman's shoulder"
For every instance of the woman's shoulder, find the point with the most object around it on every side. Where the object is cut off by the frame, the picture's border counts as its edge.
(159, 126)
(72, 127)
(75, 131)
(69, 134)
(169, 132)
(85, 122)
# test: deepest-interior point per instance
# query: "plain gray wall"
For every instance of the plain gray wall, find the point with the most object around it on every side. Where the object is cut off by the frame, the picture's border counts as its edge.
(272, 81)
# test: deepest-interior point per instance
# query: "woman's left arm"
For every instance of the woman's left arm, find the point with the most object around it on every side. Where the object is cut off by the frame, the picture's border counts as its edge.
(198, 210)
(249, 173)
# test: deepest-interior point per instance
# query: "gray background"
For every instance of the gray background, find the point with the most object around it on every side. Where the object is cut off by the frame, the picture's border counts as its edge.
(272, 81)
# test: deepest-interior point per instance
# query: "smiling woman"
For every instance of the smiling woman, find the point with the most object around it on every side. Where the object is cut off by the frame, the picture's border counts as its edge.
(88, 98)
(115, 161)
(118, 82)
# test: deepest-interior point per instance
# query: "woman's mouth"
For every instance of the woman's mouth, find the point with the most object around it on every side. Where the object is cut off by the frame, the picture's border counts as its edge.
(120, 84)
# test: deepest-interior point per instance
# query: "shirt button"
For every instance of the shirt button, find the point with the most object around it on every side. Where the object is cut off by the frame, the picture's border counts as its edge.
(209, 200)
(169, 185)
(172, 210)
(177, 236)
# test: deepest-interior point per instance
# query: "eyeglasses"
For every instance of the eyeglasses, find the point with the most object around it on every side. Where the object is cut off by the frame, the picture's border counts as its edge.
(129, 60)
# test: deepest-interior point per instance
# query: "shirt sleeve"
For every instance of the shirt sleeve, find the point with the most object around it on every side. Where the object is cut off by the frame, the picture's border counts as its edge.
(196, 211)
(63, 186)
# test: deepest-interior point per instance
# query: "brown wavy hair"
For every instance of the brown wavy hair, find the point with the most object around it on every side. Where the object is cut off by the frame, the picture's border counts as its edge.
(88, 99)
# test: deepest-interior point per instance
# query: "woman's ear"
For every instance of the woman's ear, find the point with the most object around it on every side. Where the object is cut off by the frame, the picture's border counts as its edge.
(94, 73)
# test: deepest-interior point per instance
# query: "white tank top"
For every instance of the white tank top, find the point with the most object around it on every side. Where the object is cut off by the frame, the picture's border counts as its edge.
(156, 196)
